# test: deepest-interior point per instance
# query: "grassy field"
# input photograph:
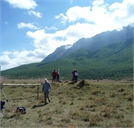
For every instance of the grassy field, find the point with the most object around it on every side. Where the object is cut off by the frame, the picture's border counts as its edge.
(87, 103)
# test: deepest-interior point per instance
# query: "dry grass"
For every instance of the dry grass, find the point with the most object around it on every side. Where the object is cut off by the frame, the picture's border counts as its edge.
(94, 104)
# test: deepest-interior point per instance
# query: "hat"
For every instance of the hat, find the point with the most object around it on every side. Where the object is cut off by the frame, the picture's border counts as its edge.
(46, 80)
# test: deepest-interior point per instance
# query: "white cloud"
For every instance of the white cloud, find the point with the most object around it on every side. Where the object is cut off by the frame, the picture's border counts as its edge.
(37, 14)
(74, 14)
(77, 13)
(122, 14)
(5, 60)
(27, 25)
(50, 41)
(6, 52)
(51, 28)
(20, 58)
(101, 13)
(114, 6)
(44, 41)
(62, 17)
(98, 2)
(22, 4)
(98, 18)
(101, 20)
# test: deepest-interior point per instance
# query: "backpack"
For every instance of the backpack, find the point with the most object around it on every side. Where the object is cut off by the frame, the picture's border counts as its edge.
(21, 110)
(76, 74)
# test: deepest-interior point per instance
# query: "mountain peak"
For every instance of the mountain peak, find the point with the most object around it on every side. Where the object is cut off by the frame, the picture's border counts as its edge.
(92, 44)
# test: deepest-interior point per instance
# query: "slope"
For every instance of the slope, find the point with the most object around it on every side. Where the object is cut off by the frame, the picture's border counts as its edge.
(92, 44)
(114, 61)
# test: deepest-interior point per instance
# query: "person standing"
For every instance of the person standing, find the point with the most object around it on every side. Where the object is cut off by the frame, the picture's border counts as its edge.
(76, 76)
(54, 75)
(58, 75)
(46, 88)
(73, 75)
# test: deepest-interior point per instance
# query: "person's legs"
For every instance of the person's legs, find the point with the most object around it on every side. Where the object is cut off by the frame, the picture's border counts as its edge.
(58, 78)
(48, 96)
(54, 78)
(45, 98)
(75, 79)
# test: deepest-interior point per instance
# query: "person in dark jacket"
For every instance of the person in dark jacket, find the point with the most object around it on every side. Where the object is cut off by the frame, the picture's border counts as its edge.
(2, 103)
(73, 75)
(46, 88)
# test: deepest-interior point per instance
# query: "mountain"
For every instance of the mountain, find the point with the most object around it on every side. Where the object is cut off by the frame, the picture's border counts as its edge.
(58, 53)
(113, 61)
(92, 44)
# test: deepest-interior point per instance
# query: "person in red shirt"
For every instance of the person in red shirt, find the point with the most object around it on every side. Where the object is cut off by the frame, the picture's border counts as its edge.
(54, 74)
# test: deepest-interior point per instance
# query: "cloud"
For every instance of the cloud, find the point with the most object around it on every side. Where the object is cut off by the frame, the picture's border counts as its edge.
(22, 4)
(4, 60)
(51, 28)
(62, 17)
(20, 58)
(43, 40)
(50, 41)
(98, 18)
(100, 13)
(98, 2)
(88, 14)
(27, 25)
(122, 13)
(76, 13)
(37, 14)
(83, 22)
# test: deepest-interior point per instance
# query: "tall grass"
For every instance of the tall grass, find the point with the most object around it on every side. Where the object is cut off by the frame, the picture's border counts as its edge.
(86, 103)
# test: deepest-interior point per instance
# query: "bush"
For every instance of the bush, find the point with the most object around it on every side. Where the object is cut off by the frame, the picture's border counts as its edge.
(81, 83)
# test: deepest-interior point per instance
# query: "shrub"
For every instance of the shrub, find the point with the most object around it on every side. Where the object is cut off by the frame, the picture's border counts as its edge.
(81, 83)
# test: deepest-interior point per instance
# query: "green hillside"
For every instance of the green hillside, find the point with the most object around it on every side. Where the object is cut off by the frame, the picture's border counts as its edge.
(114, 61)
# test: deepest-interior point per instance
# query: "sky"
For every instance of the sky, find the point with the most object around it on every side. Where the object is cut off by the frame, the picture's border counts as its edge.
(32, 29)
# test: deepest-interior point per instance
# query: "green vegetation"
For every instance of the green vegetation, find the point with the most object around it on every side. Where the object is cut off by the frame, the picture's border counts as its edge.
(114, 61)
(88, 103)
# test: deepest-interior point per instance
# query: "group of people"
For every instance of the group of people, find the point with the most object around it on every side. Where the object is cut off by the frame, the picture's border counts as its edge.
(46, 88)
